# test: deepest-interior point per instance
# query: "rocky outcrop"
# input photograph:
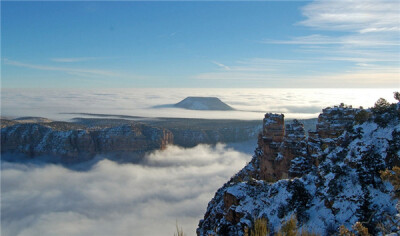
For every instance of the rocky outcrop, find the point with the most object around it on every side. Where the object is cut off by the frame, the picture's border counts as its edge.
(328, 179)
(72, 142)
(332, 122)
(279, 147)
(285, 152)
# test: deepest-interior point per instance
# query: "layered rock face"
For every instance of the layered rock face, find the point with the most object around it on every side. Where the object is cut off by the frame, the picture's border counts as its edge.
(279, 146)
(191, 132)
(328, 179)
(285, 152)
(334, 121)
(76, 143)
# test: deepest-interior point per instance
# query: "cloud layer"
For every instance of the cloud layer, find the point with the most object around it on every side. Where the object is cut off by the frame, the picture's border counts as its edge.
(337, 37)
(115, 199)
(354, 16)
(250, 103)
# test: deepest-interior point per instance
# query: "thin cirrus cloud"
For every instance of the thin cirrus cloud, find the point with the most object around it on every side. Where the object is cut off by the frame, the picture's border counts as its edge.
(82, 72)
(370, 24)
(75, 59)
(262, 70)
(257, 65)
(225, 67)
(360, 32)
(361, 77)
(352, 40)
(353, 16)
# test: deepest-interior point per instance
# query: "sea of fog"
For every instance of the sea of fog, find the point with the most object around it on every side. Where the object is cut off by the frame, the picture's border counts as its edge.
(249, 103)
(173, 185)
(169, 186)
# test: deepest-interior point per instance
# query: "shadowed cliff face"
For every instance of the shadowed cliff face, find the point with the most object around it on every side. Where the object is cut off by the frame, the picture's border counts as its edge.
(74, 143)
(88, 135)
(327, 179)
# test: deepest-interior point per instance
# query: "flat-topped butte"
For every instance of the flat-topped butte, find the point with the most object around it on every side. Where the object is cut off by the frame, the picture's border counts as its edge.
(203, 103)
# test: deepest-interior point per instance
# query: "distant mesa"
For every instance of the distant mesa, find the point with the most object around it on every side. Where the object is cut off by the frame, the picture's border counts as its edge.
(32, 119)
(203, 103)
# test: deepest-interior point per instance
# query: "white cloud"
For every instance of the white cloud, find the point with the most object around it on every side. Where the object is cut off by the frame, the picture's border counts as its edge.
(75, 59)
(221, 65)
(259, 70)
(379, 77)
(54, 103)
(232, 76)
(116, 199)
(82, 72)
(353, 15)
(349, 40)
(366, 31)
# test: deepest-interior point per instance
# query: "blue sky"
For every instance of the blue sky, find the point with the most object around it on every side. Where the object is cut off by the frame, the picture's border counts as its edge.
(200, 44)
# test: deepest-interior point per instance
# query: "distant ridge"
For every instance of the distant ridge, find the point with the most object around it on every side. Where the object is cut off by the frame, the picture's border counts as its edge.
(203, 103)
(32, 119)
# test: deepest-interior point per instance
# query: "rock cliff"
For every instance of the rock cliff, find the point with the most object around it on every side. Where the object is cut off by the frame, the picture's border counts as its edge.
(189, 132)
(328, 179)
(74, 142)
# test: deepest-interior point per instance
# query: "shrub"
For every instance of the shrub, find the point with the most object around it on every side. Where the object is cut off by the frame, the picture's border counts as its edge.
(357, 227)
(384, 112)
(360, 229)
(300, 200)
(179, 231)
(304, 232)
(397, 96)
(393, 177)
(343, 231)
(381, 106)
(260, 227)
(362, 116)
(289, 228)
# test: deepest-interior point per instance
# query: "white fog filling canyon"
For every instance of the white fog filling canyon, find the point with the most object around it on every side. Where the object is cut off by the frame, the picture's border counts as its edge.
(116, 199)
(148, 198)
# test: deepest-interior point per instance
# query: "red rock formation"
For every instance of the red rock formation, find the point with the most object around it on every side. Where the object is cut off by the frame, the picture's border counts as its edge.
(284, 151)
(269, 142)
(230, 203)
(279, 146)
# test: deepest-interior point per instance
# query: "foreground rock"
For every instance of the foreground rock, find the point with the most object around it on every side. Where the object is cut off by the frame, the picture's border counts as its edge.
(74, 143)
(329, 179)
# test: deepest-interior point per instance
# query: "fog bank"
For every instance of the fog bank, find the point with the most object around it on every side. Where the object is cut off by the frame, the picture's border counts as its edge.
(116, 199)
(249, 103)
